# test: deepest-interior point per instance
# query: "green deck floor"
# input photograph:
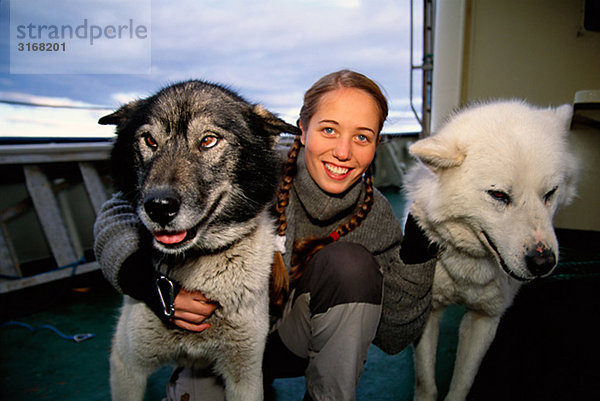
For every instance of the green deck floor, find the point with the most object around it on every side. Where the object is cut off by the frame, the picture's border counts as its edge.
(546, 348)
(42, 365)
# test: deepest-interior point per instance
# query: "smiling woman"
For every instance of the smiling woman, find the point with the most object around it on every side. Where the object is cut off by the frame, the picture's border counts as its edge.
(340, 138)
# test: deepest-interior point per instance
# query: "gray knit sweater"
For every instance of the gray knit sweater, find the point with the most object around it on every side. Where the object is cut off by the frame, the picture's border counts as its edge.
(407, 288)
(311, 211)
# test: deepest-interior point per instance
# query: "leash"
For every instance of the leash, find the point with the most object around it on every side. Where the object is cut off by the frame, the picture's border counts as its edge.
(75, 337)
(72, 266)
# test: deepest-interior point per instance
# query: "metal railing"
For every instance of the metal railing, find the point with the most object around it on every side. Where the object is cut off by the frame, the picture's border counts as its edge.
(39, 179)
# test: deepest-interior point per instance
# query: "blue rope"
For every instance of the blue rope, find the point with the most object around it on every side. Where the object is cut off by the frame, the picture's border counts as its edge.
(76, 337)
(73, 265)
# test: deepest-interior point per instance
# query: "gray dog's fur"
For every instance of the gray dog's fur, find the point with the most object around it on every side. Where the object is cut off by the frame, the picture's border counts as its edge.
(198, 164)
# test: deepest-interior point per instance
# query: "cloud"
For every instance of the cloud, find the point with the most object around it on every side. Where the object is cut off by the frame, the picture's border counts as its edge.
(63, 117)
(273, 51)
(248, 40)
(92, 37)
(43, 100)
(20, 121)
(126, 97)
(270, 51)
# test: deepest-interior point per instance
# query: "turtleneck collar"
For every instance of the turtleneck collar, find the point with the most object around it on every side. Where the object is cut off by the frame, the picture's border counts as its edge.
(320, 205)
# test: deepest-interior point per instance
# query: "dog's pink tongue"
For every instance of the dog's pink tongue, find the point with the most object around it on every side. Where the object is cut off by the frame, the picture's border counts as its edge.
(170, 237)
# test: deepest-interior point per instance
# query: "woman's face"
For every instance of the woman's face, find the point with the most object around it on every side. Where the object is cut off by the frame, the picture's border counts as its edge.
(340, 139)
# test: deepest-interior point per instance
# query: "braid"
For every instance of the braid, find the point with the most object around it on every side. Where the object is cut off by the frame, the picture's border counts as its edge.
(364, 208)
(306, 248)
(280, 281)
(283, 195)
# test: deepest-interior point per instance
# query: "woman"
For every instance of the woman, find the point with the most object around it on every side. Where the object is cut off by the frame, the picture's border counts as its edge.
(351, 281)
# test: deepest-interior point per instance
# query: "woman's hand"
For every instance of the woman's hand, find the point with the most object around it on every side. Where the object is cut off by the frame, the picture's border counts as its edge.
(416, 246)
(191, 309)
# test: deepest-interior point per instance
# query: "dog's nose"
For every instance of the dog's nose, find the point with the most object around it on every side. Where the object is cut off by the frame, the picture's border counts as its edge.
(162, 209)
(540, 261)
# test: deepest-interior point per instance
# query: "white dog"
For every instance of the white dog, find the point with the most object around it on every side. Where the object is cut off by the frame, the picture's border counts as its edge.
(486, 192)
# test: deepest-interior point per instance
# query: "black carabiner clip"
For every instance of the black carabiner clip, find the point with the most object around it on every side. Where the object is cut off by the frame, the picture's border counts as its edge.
(166, 293)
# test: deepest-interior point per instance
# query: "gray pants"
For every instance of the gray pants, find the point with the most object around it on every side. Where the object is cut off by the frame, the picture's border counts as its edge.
(325, 332)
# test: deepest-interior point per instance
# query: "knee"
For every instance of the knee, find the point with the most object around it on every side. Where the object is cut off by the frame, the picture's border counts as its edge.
(343, 272)
(347, 264)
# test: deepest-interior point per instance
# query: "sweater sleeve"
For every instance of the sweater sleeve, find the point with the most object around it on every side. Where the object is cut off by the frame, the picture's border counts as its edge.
(116, 237)
(406, 305)
(125, 263)
(408, 277)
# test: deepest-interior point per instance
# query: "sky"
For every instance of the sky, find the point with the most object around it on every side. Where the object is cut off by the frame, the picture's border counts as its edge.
(270, 52)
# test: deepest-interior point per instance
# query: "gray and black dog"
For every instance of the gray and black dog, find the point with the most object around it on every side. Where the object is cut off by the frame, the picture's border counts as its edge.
(199, 165)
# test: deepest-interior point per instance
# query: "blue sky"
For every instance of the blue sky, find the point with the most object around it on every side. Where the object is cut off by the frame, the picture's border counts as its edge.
(269, 51)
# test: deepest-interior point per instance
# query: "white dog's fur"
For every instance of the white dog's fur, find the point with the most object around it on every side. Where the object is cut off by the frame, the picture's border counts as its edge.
(486, 191)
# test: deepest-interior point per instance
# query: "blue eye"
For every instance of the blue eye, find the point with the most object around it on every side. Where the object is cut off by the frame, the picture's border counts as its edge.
(328, 130)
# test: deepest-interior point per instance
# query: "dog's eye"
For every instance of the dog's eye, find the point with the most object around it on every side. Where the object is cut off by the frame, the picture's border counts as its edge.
(500, 196)
(149, 141)
(550, 194)
(208, 141)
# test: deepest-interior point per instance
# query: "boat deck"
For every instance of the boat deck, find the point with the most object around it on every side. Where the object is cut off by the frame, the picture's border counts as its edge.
(546, 347)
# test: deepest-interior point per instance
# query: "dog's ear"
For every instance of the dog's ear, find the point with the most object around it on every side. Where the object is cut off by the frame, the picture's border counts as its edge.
(563, 115)
(121, 115)
(272, 124)
(437, 153)
(571, 167)
(122, 160)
